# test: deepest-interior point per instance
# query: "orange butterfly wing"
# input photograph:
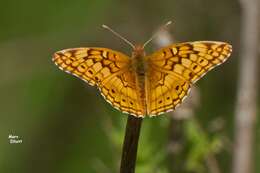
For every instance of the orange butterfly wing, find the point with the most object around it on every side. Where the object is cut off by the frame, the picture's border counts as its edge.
(107, 69)
(174, 68)
(169, 74)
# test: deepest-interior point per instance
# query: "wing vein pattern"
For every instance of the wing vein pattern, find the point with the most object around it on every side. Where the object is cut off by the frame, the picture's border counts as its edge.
(109, 71)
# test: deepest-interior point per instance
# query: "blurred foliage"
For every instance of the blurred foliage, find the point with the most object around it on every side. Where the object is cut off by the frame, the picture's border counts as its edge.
(65, 125)
(201, 146)
(151, 155)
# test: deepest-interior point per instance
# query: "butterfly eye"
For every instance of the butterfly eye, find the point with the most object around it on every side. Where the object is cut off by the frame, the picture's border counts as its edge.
(168, 98)
(177, 87)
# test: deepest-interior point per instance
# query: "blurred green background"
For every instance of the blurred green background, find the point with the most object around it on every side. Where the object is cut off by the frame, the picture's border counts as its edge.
(66, 126)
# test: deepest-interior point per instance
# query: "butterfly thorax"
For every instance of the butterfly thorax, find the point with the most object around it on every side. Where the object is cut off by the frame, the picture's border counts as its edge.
(138, 61)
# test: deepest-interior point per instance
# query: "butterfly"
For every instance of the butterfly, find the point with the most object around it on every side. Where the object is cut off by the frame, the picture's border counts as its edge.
(144, 85)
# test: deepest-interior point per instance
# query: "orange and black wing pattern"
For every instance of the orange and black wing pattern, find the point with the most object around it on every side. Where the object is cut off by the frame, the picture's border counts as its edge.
(106, 69)
(173, 69)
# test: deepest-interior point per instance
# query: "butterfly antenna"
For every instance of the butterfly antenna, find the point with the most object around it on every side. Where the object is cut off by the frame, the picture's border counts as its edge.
(118, 35)
(157, 31)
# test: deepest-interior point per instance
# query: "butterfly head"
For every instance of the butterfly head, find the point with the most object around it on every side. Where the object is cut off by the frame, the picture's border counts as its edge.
(138, 51)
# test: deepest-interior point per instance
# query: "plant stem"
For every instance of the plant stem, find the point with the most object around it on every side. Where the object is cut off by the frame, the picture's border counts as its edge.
(246, 106)
(129, 153)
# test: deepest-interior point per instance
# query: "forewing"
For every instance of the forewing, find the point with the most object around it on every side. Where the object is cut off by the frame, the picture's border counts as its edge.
(191, 60)
(91, 64)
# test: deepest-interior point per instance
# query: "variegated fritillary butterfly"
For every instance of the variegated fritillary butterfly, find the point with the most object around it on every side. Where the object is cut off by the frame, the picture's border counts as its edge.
(144, 85)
